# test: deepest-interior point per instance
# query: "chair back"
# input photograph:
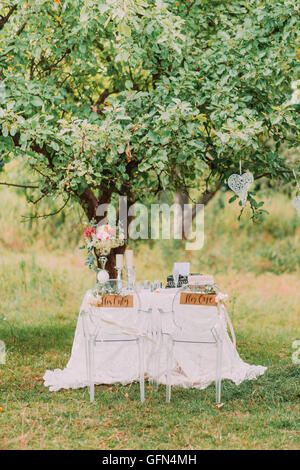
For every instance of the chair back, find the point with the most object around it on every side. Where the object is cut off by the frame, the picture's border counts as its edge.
(195, 314)
(113, 311)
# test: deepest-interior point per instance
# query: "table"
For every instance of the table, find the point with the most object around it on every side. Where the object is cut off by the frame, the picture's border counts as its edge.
(194, 365)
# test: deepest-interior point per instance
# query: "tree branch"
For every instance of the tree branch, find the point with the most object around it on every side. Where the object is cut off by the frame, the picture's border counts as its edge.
(47, 215)
(282, 172)
(52, 66)
(97, 106)
(27, 186)
(4, 19)
(20, 30)
(36, 148)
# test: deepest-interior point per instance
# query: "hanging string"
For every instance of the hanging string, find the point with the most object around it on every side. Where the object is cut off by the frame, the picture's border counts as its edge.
(240, 166)
(294, 173)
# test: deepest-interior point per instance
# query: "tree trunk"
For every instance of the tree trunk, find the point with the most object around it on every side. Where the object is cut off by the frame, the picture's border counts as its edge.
(183, 198)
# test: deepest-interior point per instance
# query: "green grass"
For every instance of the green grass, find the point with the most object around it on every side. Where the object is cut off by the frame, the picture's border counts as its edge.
(41, 288)
(42, 312)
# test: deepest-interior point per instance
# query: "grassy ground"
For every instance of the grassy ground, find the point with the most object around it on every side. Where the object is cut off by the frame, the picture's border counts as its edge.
(41, 291)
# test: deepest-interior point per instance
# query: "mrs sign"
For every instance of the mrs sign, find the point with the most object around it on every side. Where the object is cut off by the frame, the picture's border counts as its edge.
(113, 301)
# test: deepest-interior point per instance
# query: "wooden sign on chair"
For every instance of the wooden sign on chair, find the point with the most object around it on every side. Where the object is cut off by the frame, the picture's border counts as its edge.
(190, 298)
(113, 301)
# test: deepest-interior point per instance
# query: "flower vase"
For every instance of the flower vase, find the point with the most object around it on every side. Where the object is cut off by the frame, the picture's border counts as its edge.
(102, 274)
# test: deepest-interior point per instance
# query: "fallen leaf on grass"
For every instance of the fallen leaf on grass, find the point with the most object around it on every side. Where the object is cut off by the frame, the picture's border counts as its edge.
(38, 379)
(220, 405)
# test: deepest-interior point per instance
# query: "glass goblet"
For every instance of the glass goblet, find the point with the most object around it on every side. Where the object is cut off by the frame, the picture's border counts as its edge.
(176, 277)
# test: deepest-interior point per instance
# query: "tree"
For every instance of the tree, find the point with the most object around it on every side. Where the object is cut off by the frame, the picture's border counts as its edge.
(131, 97)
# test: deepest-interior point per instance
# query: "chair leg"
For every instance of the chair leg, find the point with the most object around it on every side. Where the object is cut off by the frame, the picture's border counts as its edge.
(156, 371)
(156, 363)
(141, 369)
(219, 372)
(91, 369)
(88, 363)
(169, 369)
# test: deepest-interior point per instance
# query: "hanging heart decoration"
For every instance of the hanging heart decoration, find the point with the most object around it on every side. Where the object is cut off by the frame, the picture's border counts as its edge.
(296, 204)
(240, 184)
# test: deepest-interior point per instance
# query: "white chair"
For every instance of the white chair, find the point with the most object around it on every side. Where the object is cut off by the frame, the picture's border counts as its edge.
(104, 324)
(180, 334)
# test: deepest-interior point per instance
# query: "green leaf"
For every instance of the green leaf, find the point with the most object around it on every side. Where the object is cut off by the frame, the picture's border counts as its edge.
(233, 198)
(54, 145)
(4, 130)
(37, 102)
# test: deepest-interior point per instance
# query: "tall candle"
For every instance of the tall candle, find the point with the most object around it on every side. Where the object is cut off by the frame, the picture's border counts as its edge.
(119, 261)
(129, 257)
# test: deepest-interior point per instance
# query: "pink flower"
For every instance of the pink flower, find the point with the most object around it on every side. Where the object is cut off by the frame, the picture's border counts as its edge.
(89, 231)
(102, 236)
(105, 232)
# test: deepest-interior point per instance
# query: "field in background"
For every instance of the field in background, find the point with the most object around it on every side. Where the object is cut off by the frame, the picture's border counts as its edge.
(230, 244)
(42, 282)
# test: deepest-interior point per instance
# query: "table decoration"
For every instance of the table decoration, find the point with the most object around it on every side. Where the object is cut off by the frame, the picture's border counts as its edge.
(109, 287)
(187, 372)
(200, 279)
(129, 258)
(202, 288)
(182, 280)
(119, 268)
(240, 184)
(156, 285)
(182, 268)
(99, 240)
(176, 275)
(130, 269)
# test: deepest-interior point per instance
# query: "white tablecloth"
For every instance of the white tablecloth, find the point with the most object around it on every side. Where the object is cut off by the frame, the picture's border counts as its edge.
(193, 366)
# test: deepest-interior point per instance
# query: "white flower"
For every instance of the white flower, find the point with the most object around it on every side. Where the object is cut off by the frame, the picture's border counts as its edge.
(221, 297)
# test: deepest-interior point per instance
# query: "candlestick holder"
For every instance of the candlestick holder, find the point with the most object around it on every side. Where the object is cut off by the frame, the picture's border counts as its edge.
(130, 271)
(119, 276)
(102, 274)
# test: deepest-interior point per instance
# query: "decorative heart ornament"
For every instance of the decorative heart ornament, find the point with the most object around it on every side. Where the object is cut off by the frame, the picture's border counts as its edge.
(241, 184)
(296, 204)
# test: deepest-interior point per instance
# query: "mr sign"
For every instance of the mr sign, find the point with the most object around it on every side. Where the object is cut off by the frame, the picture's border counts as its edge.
(188, 298)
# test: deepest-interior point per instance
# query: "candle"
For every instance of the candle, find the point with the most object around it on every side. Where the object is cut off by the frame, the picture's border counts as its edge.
(129, 257)
(119, 261)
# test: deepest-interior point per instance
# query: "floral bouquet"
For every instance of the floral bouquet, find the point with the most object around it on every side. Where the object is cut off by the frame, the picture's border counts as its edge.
(99, 240)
